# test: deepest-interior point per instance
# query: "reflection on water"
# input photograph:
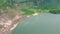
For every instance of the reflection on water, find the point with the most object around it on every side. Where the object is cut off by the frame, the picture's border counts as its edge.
(45, 23)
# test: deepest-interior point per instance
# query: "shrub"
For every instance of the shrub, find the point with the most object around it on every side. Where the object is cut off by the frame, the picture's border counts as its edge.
(55, 11)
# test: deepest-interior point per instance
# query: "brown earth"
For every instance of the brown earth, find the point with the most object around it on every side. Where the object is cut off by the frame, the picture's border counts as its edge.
(8, 18)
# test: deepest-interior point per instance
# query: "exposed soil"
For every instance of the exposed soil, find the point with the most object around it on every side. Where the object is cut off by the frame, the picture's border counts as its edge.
(9, 19)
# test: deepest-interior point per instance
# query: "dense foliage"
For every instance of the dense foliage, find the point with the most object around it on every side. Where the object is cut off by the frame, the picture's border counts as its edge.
(37, 5)
(55, 11)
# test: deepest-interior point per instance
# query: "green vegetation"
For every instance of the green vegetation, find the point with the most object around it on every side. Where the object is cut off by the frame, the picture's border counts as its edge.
(31, 6)
(27, 11)
(55, 11)
(2, 3)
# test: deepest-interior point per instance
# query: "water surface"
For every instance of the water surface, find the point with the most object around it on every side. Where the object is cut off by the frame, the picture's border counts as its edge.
(45, 23)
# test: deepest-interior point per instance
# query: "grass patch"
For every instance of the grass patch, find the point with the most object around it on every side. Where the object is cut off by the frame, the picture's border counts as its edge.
(27, 11)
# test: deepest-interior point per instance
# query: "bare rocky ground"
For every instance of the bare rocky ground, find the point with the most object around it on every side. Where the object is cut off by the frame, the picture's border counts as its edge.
(9, 20)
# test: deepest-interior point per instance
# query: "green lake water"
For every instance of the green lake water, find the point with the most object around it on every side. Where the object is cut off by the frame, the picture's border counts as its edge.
(45, 23)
